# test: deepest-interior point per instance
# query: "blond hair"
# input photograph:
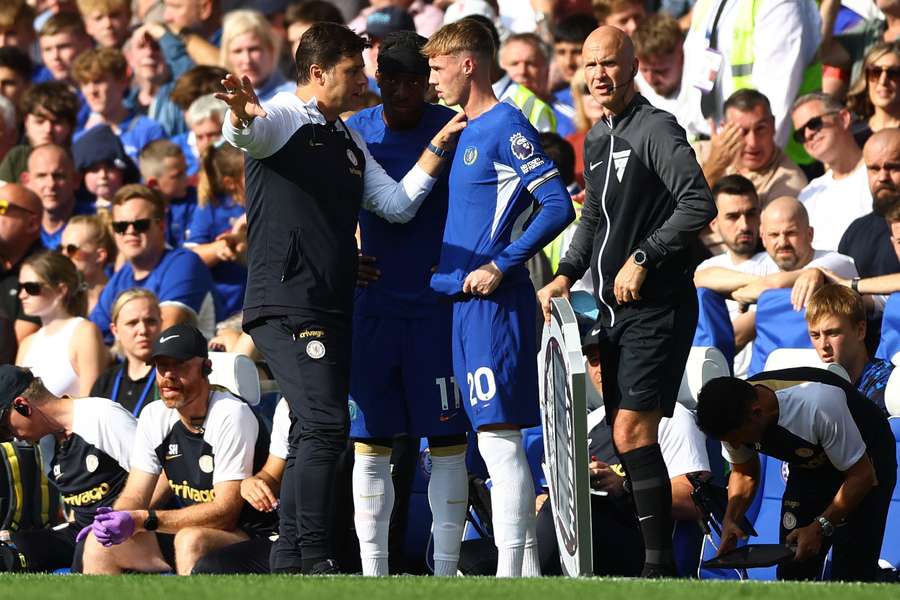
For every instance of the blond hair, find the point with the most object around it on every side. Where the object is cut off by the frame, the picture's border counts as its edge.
(465, 35)
(97, 63)
(835, 300)
(98, 232)
(132, 294)
(104, 7)
(239, 22)
(217, 163)
(55, 269)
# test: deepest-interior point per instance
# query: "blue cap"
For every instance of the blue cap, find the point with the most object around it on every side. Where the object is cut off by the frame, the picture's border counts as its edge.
(388, 20)
(100, 145)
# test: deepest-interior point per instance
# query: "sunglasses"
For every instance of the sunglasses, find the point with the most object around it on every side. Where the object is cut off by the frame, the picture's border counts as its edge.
(875, 72)
(6, 205)
(815, 124)
(32, 288)
(69, 250)
(140, 225)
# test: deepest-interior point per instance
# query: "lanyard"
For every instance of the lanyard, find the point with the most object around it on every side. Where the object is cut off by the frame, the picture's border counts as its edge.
(151, 377)
(712, 34)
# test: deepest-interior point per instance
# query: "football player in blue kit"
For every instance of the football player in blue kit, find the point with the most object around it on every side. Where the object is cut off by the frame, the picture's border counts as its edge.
(402, 371)
(498, 173)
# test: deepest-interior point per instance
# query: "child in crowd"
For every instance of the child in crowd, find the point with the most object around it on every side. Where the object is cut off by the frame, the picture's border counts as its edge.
(106, 21)
(217, 230)
(102, 75)
(61, 39)
(100, 157)
(163, 169)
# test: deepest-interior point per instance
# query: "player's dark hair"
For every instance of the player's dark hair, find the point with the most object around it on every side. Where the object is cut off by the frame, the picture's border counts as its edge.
(735, 185)
(561, 152)
(326, 44)
(312, 11)
(723, 405)
(746, 100)
(574, 29)
(16, 61)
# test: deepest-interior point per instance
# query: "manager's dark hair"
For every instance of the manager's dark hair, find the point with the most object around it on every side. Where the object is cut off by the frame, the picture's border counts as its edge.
(326, 44)
(735, 185)
(723, 405)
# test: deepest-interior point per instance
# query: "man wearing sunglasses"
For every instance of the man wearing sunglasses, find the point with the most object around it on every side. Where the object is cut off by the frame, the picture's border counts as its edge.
(20, 230)
(178, 277)
(89, 465)
(841, 195)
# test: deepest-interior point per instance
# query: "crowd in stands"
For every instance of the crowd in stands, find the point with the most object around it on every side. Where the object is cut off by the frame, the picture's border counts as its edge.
(122, 209)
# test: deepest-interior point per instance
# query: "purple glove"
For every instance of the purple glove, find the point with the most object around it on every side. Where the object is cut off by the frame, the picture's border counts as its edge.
(112, 527)
(85, 531)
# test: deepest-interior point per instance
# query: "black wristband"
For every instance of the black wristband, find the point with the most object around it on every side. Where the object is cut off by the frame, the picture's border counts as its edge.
(854, 284)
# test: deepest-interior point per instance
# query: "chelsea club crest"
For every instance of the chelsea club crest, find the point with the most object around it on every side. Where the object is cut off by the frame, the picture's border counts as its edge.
(470, 155)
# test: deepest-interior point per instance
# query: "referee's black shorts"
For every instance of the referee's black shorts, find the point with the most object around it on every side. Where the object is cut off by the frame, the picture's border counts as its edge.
(642, 356)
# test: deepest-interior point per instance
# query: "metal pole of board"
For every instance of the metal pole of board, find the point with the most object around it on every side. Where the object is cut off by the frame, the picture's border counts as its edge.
(564, 420)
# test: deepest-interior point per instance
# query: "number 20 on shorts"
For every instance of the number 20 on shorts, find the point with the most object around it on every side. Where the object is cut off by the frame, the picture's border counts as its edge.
(482, 386)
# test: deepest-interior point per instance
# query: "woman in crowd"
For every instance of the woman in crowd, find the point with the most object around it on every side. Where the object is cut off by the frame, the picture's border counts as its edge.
(587, 113)
(88, 244)
(136, 323)
(875, 96)
(250, 49)
(215, 232)
(67, 352)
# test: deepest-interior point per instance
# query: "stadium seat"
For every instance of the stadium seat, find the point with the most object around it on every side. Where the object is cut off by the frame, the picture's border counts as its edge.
(890, 548)
(778, 325)
(703, 363)
(890, 329)
(714, 324)
(786, 358)
(237, 373)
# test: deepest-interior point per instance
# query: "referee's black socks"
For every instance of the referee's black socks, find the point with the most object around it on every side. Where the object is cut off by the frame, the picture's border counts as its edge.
(652, 491)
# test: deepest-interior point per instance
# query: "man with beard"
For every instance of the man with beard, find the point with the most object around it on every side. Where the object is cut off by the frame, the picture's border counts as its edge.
(868, 239)
(204, 441)
(737, 223)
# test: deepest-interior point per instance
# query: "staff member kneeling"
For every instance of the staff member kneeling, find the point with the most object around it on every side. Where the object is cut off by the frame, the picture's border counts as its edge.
(839, 451)
(92, 444)
(206, 441)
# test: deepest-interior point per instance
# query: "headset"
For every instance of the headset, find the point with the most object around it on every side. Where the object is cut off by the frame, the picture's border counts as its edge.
(207, 370)
(22, 409)
(616, 86)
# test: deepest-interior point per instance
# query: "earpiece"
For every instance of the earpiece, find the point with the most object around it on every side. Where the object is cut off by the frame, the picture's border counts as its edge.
(22, 409)
(207, 370)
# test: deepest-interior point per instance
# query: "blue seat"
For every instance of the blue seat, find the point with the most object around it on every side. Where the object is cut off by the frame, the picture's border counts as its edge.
(890, 328)
(778, 325)
(714, 324)
(890, 548)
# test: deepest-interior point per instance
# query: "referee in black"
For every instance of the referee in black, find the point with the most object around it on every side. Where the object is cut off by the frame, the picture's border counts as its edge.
(307, 176)
(646, 202)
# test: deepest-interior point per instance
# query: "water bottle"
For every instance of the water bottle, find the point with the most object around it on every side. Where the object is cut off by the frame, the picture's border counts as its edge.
(11, 560)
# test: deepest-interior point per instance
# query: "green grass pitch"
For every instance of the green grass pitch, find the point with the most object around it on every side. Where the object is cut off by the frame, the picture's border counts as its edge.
(56, 587)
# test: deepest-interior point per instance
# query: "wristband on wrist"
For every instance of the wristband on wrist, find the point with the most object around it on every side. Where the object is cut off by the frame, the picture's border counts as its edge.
(854, 284)
(440, 152)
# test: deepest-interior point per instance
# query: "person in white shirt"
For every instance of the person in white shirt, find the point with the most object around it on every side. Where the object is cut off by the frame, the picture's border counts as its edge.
(786, 35)
(841, 195)
(658, 45)
(737, 223)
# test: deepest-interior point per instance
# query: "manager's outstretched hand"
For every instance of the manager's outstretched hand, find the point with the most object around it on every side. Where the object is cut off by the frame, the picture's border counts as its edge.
(241, 99)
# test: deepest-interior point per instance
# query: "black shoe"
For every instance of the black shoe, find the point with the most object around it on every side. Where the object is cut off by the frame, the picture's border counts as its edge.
(652, 571)
(324, 567)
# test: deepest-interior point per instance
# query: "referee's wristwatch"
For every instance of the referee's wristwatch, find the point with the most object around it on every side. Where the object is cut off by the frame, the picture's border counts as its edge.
(640, 258)
(151, 523)
(826, 525)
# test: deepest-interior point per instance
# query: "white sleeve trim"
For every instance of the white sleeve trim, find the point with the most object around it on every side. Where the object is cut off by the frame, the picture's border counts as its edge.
(231, 430)
(393, 201)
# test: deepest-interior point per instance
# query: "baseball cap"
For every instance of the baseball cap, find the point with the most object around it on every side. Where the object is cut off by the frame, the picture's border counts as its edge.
(401, 52)
(13, 381)
(387, 20)
(182, 342)
(100, 144)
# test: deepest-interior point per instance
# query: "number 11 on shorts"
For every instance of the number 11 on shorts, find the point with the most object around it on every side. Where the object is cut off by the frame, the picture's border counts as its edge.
(445, 396)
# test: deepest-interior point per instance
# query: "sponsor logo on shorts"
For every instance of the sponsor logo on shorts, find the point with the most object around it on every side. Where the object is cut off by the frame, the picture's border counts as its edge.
(352, 158)
(311, 333)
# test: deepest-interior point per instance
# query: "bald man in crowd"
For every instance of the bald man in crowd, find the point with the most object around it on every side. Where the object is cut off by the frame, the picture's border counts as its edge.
(20, 237)
(868, 238)
(52, 176)
(792, 262)
(646, 203)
